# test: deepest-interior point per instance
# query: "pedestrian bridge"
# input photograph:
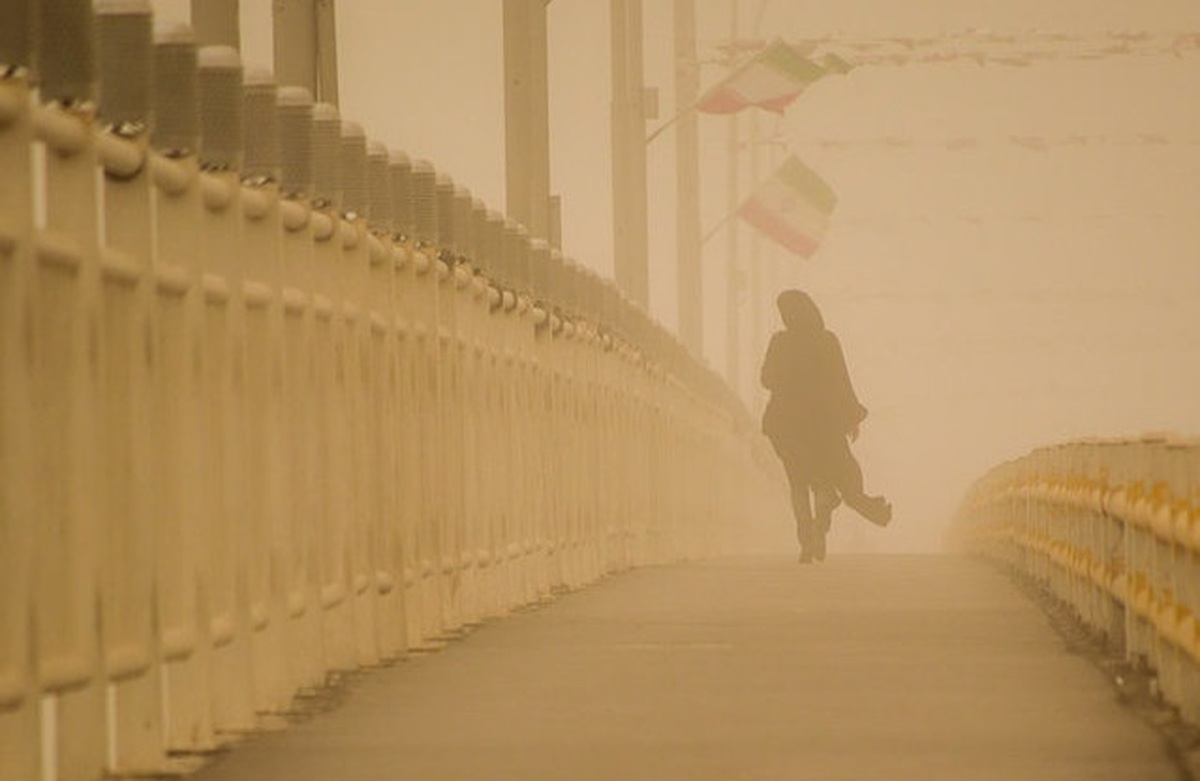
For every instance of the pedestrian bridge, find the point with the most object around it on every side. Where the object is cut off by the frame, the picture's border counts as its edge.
(905, 667)
(279, 406)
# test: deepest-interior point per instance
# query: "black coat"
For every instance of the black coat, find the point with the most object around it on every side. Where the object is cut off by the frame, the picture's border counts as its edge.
(813, 406)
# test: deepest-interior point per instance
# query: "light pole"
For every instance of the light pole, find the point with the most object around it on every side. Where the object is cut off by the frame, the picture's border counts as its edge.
(630, 239)
(687, 180)
(527, 116)
(215, 23)
(306, 46)
(733, 273)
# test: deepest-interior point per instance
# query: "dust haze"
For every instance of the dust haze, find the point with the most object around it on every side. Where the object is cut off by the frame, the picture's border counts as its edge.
(1012, 261)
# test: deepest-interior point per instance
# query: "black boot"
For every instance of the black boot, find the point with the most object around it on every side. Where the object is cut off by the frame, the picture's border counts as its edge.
(875, 509)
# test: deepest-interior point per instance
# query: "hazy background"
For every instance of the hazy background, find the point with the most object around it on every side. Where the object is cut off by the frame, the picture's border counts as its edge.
(989, 299)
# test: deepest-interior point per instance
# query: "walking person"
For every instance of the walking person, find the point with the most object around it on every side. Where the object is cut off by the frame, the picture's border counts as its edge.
(811, 417)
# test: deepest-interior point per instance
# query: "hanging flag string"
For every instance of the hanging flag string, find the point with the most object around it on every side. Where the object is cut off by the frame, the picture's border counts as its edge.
(984, 47)
(1037, 143)
(1044, 218)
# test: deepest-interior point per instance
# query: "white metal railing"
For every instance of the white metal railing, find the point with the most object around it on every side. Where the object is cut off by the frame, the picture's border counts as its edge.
(1111, 527)
(250, 436)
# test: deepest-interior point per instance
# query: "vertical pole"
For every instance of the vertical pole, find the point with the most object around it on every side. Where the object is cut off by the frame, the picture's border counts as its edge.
(305, 46)
(62, 349)
(754, 310)
(295, 24)
(527, 115)
(215, 23)
(630, 243)
(757, 302)
(636, 138)
(732, 338)
(20, 750)
(619, 121)
(775, 261)
(325, 29)
(555, 219)
(687, 179)
(516, 114)
(135, 696)
(539, 119)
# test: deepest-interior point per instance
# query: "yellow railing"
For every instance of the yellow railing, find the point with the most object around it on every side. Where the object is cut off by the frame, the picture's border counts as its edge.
(251, 436)
(1113, 528)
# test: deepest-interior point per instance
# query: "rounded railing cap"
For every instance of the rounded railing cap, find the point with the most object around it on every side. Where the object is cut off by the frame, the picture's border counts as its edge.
(325, 112)
(258, 76)
(293, 96)
(218, 58)
(117, 7)
(179, 33)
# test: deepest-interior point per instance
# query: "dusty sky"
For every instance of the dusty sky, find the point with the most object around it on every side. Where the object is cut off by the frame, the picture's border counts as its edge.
(989, 299)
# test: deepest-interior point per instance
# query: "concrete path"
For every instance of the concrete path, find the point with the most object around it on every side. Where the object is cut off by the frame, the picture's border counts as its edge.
(892, 667)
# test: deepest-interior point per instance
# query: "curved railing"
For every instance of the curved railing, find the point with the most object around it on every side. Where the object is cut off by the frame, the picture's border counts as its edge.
(1112, 528)
(261, 421)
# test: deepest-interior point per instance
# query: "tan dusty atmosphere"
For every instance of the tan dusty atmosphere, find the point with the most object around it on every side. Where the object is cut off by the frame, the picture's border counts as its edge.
(311, 468)
(1012, 261)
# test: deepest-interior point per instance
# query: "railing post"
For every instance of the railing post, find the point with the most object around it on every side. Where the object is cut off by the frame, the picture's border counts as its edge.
(406, 393)
(1187, 534)
(447, 348)
(267, 509)
(302, 415)
(465, 406)
(488, 435)
(230, 538)
(20, 739)
(132, 657)
(177, 405)
(381, 385)
(363, 516)
(331, 365)
(64, 341)
(424, 355)
(1172, 567)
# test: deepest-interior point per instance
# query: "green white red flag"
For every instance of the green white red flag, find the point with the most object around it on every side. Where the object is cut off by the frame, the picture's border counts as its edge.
(771, 79)
(792, 207)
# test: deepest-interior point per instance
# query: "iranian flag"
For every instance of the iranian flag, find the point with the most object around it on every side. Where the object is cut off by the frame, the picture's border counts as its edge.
(771, 79)
(792, 207)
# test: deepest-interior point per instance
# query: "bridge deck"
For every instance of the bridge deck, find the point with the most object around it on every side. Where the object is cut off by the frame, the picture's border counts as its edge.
(897, 667)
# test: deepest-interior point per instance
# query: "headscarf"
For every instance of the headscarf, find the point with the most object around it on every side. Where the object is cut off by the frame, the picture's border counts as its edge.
(800, 313)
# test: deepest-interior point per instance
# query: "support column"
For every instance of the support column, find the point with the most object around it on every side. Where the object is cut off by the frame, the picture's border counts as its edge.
(687, 180)
(527, 116)
(754, 272)
(630, 243)
(215, 23)
(326, 67)
(734, 278)
(306, 46)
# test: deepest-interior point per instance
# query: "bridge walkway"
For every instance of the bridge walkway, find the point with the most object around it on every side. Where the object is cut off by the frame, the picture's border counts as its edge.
(898, 667)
